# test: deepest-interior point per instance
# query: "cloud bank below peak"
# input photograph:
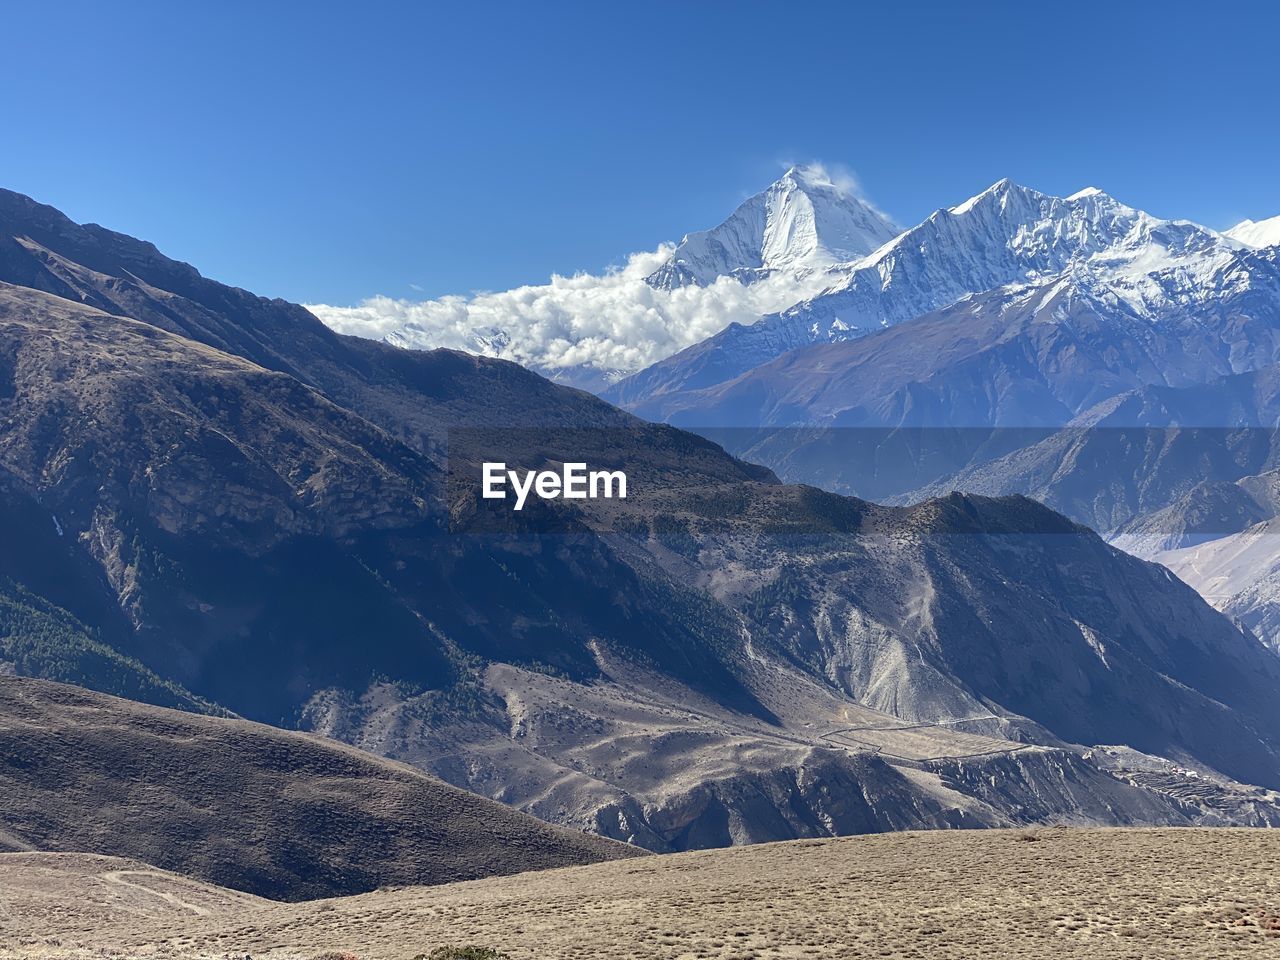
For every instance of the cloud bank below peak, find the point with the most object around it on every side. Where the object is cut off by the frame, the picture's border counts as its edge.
(585, 329)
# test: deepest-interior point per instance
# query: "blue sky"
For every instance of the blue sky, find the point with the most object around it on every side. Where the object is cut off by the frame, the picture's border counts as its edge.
(328, 152)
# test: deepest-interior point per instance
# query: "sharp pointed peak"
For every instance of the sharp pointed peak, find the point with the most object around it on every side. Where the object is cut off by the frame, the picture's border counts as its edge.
(803, 175)
(811, 217)
(1003, 187)
(818, 176)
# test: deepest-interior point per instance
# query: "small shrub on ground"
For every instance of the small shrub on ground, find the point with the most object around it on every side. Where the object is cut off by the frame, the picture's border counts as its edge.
(462, 953)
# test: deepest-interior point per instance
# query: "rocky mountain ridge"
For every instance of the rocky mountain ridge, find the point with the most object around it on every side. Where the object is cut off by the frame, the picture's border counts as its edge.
(717, 659)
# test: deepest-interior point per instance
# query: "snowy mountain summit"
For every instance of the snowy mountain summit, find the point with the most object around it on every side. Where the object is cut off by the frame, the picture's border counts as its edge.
(1007, 239)
(1010, 234)
(806, 261)
(804, 222)
(1257, 233)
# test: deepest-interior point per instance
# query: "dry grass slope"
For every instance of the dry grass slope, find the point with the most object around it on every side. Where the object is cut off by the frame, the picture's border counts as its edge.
(1087, 894)
(78, 894)
(247, 806)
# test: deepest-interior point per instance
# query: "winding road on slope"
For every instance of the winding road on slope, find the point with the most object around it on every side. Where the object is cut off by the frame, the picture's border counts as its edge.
(118, 877)
(880, 750)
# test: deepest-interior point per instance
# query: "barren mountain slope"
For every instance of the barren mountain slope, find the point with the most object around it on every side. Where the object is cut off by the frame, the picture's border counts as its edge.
(1238, 574)
(926, 666)
(415, 396)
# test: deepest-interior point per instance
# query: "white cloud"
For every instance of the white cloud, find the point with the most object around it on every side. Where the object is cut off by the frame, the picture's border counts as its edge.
(843, 180)
(610, 323)
(839, 177)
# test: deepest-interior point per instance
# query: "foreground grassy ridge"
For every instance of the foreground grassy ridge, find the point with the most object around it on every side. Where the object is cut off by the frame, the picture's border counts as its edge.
(1096, 894)
(245, 806)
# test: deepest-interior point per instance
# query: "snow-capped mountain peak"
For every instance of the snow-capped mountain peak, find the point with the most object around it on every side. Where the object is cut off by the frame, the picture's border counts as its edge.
(996, 195)
(813, 263)
(1008, 233)
(1013, 234)
(1257, 233)
(1006, 238)
(806, 221)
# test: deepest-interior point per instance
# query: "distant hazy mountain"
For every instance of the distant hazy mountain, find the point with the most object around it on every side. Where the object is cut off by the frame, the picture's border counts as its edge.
(804, 222)
(1156, 460)
(277, 519)
(1025, 355)
(1239, 574)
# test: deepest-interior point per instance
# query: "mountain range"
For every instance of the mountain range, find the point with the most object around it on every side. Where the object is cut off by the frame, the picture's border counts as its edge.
(1026, 257)
(226, 507)
(936, 357)
(1017, 342)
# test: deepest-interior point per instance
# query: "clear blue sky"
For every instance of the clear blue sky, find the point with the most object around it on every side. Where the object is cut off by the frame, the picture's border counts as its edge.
(326, 152)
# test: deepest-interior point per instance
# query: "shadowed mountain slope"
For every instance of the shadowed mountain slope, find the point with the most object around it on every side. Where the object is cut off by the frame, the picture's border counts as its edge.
(415, 396)
(283, 815)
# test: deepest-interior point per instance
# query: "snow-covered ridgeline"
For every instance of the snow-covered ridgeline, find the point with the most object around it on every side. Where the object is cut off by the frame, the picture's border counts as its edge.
(806, 260)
